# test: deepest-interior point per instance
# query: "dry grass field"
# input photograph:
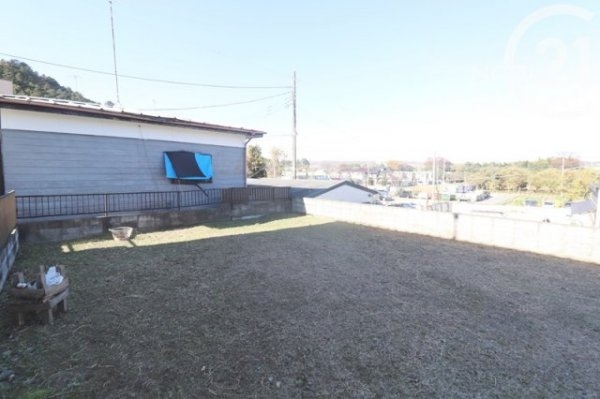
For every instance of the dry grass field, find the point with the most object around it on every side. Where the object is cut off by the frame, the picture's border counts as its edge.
(304, 307)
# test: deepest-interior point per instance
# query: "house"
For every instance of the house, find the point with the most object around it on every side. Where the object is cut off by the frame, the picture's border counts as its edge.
(323, 189)
(52, 147)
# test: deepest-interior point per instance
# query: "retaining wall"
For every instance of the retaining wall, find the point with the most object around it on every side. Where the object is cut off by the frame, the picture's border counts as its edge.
(50, 230)
(8, 253)
(565, 241)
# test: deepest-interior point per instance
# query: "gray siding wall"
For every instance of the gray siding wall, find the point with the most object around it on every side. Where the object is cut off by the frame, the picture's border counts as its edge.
(43, 163)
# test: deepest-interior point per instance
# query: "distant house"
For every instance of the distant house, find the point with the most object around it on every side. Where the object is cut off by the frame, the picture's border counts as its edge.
(50, 147)
(324, 189)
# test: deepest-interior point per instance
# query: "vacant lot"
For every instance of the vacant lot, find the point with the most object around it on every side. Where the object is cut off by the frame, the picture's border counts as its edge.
(303, 307)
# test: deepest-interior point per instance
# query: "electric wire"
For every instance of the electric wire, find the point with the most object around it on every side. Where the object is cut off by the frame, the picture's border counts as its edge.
(217, 105)
(133, 77)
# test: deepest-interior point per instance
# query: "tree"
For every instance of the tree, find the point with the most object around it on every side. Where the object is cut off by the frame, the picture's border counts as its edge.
(564, 162)
(256, 165)
(540, 164)
(514, 178)
(393, 165)
(304, 166)
(547, 180)
(398, 166)
(277, 162)
(28, 82)
(577, 182)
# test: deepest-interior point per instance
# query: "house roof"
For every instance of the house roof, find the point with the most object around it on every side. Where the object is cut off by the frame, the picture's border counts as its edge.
(96, 110)
(307, 187)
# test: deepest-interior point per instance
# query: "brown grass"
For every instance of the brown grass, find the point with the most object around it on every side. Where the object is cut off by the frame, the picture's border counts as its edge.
(304, 307)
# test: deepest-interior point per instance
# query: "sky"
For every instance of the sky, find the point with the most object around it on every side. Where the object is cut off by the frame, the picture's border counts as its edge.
(467, 80)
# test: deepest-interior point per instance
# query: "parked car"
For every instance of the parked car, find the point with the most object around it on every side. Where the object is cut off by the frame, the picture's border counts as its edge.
(531, 202)
(387, 201)
(410, 205)
(548, 204)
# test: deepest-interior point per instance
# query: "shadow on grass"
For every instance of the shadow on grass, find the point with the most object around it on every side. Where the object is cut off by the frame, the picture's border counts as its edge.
(252, 220)
(306, 307)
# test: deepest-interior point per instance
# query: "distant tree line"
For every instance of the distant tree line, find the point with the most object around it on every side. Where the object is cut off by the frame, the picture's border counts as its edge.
(563, 176)
(28, 82)
(258, 166)
(559, 176)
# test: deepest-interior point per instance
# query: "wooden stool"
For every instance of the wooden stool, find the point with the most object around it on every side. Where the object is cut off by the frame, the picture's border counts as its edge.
(20, 307)
(40, 297)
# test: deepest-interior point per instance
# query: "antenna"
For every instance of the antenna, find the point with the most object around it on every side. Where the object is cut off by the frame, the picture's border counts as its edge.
(112, 28)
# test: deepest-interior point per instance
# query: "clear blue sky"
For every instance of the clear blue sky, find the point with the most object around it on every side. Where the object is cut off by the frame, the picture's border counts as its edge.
(377, 80)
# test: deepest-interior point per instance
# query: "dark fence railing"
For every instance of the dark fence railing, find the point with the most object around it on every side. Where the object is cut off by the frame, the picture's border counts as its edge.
(246, 194)
(37, 206)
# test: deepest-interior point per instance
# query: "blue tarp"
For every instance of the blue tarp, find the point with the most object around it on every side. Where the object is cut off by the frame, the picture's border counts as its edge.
(188, 166)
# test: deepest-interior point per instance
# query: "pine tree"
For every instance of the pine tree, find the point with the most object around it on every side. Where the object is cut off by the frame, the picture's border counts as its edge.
(256, 165)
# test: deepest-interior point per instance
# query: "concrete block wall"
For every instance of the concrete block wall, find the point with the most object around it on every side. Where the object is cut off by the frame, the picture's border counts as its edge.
(8, 254)
(436, 224)
(39, 231)
(565, 241)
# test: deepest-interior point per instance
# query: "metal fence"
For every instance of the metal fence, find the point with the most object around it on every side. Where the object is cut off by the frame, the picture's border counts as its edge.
(38, 206)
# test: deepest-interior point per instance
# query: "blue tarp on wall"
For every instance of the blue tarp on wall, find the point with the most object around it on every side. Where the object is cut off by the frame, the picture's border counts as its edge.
(185, 166)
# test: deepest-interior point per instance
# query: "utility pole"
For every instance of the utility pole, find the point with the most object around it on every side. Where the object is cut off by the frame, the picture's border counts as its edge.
(596, 193)
(433, 170)
(444, 171)
(562, 176)
(294, 131)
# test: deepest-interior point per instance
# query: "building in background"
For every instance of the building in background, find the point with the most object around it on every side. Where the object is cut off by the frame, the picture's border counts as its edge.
(335, 190)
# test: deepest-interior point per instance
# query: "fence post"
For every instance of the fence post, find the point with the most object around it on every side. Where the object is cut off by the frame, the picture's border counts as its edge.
(105, 204)
(178, 200)
(226, 195)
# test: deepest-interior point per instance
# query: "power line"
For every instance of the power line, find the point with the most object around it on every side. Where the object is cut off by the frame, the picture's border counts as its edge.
(165, 81)
(216, 105)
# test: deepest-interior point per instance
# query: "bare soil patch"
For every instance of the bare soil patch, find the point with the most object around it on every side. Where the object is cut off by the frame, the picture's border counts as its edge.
(303, 307)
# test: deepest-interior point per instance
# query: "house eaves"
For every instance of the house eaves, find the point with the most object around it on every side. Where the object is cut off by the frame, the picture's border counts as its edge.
(95, 110)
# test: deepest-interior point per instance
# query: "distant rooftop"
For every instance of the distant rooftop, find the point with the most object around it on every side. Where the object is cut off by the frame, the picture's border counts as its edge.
(97, 110)
(306, 187)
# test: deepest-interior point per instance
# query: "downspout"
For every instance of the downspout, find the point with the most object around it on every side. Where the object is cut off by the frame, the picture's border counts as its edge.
(245, 166)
